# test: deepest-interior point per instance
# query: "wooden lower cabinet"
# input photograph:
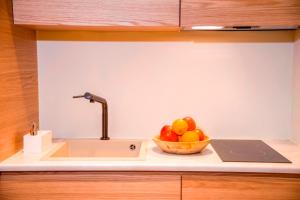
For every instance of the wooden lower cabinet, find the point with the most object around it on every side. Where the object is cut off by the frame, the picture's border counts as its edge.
(240, 187)
(88, 186)
(148, 185)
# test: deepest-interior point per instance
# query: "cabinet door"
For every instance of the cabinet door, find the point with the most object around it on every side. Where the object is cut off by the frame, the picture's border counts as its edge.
(88, 186)
(97, 14)
(240, 12)
(234, 187)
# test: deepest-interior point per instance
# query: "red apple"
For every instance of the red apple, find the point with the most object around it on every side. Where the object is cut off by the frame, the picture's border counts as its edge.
(191, 123)
(167, 134)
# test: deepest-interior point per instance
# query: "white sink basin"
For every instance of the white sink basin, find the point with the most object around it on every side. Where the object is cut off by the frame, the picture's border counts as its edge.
(95, 149)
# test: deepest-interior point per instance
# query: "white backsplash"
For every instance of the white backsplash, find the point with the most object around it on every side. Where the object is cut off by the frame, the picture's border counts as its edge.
(296, 90)
(239, 90)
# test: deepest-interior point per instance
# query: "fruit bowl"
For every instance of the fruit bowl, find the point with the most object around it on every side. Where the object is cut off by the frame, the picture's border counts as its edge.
(181, 147)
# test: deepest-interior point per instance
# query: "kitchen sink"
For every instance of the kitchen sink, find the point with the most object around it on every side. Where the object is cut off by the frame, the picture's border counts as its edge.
(95, 149)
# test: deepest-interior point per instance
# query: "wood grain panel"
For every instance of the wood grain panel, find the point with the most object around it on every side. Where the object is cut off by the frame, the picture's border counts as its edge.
(240, 12)
(18, 82)
(192, 36)
(231, 187)
(89, 186)
(97, 14)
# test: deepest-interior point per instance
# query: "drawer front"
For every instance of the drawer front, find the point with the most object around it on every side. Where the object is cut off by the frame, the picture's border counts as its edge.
(231, 187)
(79, 185)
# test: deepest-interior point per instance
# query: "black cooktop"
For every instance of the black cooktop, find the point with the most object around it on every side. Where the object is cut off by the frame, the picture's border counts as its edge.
(247, 151)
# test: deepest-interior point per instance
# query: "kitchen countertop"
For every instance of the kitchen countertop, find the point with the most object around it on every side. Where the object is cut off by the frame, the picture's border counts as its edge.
(156, 160)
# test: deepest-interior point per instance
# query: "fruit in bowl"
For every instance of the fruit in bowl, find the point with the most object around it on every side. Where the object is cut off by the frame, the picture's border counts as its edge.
(182, 137)
(167, 134)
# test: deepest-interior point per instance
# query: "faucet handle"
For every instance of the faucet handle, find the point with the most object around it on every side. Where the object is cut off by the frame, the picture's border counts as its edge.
(86, 95)
(79, 96)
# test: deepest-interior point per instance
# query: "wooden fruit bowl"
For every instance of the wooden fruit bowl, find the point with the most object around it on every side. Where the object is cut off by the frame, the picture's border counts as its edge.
(181, 147)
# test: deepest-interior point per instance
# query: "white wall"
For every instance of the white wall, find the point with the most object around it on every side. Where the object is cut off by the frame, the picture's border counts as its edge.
(232, 89)
(296, 91)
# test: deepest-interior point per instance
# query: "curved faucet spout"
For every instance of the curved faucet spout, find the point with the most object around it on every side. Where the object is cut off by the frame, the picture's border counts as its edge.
(93, 98)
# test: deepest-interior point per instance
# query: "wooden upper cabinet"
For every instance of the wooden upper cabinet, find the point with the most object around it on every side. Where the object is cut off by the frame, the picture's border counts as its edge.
(98, 14)
(240, 13)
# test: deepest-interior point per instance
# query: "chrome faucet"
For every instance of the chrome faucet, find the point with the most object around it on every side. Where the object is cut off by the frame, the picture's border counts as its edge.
(103, 101)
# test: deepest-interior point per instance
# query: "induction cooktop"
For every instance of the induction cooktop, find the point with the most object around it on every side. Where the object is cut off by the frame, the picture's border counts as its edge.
(247, 151)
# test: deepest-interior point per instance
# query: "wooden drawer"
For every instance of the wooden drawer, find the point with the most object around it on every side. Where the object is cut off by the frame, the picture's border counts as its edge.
(88, 186)
(242, 186)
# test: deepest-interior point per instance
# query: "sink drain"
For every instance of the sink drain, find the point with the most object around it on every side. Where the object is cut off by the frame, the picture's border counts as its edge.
(132, 147)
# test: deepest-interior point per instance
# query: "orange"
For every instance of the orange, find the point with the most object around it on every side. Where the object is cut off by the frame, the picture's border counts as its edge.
(180, 126)
(200, 133)
(190, 136)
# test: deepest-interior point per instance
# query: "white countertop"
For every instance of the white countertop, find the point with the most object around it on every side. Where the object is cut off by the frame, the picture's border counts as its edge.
(156, 160)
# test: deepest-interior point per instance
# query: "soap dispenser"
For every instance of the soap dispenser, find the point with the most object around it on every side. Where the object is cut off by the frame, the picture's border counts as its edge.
(37, 141)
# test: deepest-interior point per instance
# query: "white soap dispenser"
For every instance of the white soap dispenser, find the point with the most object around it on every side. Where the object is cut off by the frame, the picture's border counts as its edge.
(37, 141)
